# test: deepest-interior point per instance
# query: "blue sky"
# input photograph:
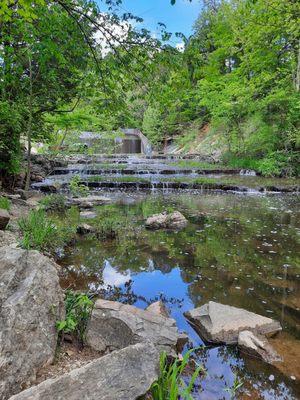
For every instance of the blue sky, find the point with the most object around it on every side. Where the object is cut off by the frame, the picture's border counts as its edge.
(178, 18)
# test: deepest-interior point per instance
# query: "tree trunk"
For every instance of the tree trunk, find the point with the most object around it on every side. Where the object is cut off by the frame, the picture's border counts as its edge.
(29, 128)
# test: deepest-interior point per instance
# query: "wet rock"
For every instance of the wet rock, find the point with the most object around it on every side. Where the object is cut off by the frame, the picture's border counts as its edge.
(90, 201)
(158, 308)
(88, 214)
(114, 326)
(174, 220)
(126, 374)
(257, 346)
(219, 323)
(8, 239)
(31, 302)
(4, 218)
(28, 194)
(84, 229)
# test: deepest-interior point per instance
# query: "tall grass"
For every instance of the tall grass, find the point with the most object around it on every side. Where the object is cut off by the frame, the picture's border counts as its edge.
(42, 233)
(170, 384)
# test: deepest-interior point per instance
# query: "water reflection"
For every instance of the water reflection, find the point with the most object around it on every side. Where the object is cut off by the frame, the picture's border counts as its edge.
(239, 250)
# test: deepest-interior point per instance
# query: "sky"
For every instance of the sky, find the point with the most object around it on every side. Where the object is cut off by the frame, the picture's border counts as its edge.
(178, 18)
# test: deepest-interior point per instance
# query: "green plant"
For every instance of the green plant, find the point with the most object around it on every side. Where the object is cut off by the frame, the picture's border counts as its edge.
(55, 202)
(237, 384)
(77, 188)
(5, 203)
(78, 309)
(42, 233)
(108, 227)
(170, 384)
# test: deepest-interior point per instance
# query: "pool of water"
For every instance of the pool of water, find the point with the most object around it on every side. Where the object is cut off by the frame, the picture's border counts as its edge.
(238, 250)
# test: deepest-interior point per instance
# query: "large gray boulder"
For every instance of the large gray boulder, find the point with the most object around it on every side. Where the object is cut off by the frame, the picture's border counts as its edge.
(257, 346)
(174, 220)
(115, 325)
(126, 374)
(4, 218)
(219, 323)
(31, 301)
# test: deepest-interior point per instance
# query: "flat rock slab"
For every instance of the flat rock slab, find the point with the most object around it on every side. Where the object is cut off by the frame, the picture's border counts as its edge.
(126, 374)
(219, 323)
(90, 201)
(31, 302)
(115, 325)
(88, 214)
(257, 346)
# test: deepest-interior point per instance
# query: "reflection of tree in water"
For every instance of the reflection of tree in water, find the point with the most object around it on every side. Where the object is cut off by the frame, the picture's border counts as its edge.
(221, 249)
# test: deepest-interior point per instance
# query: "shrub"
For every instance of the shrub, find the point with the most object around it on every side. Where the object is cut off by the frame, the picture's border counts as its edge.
(5, 203)
(78, 309)
(170, 384)
(42, 233)
(77, 188)
(55, 202)
(108, 228)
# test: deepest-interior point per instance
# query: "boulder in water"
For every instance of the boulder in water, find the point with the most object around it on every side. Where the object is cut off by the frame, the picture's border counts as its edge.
(90, 201)
(174, 220)
(257, 346)
(115, 325)
(219, 323)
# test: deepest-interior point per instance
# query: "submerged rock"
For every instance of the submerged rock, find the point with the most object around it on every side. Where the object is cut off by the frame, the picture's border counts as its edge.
(115, 325)
(31, 302)
(4, 218)
(126, 374)
(219, 323)
(258, 346)
(175, 220)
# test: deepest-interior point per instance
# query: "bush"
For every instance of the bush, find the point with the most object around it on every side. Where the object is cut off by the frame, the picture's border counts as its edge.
(55, 202)
(78, 309)
(108, 228)
(76, 188)
(170, 385)
(42, 233)
(5, 203)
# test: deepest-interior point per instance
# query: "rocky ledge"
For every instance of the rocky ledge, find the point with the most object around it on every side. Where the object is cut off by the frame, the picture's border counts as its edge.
(126, 374)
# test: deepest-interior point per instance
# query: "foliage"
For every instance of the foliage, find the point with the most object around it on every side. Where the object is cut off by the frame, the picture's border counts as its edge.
(5, 203)
(78, 309)
(170, 384)
(233, 390)
(40, 232)
(77, 188)
(109, 227)
(54, 202)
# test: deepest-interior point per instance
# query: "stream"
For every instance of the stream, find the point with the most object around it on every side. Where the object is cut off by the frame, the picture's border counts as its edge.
(241, 250)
